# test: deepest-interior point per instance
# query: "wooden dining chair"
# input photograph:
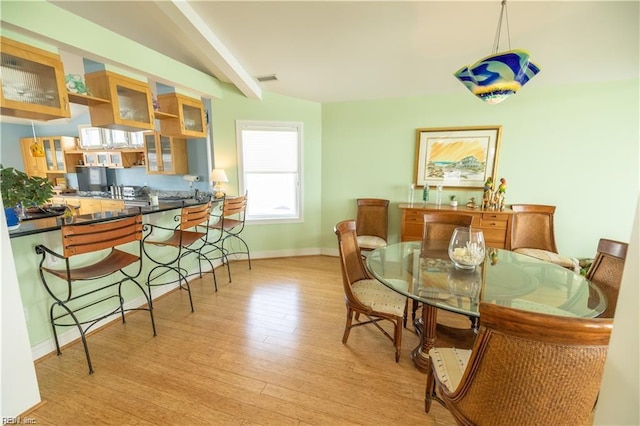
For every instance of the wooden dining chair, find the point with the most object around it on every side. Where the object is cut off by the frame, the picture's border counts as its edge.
(606, 273)
(116, 249)
(364, 294)
(437, 230)
(372, 222)
(532, 234)
(525, 368)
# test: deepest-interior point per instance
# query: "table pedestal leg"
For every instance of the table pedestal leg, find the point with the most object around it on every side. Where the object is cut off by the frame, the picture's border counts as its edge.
(420, 355)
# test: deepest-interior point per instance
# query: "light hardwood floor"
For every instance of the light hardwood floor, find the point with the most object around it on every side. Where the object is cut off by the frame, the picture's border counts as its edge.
(264, 350)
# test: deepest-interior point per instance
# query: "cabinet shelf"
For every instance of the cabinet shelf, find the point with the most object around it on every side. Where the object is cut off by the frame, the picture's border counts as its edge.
(87, 100)
(164, 115)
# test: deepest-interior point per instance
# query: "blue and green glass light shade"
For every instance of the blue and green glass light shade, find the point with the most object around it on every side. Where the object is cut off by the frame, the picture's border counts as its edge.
(498, 76)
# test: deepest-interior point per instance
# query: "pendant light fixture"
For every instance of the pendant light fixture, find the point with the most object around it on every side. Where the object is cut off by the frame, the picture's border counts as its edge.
(36, 149)
(496, 77)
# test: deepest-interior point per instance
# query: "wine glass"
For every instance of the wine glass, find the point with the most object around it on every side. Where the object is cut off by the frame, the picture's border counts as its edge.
(466, 248)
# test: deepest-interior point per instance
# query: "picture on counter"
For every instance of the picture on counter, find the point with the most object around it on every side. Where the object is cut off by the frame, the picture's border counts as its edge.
(458, 157)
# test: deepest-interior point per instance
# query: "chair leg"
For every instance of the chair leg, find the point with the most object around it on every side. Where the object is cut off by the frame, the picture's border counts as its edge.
(347, 327)
(397, 339)
(428, 393)
(77, 323)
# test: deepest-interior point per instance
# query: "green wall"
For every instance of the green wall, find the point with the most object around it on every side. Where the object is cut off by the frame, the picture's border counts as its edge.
(274, 239)
(572, 146)
(575, 147)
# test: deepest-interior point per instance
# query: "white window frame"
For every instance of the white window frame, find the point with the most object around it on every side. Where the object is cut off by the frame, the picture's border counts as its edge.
(242, 125)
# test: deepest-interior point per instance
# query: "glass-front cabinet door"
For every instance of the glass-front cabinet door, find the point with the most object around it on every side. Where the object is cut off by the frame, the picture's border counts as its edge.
(151, 152)
(54, 152)
(193, 122)
(166, 154)
(133, 104)
(32, 82)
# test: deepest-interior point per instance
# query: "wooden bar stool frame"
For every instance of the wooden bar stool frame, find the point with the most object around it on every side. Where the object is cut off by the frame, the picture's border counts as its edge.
(88, 238)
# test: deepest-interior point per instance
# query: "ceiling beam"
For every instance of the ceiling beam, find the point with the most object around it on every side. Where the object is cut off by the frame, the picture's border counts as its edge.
(209, 45)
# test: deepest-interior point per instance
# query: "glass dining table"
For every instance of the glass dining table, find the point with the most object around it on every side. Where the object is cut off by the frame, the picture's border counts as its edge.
(427, 275)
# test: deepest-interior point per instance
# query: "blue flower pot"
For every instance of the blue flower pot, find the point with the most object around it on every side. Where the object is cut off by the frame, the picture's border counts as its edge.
(12, 217)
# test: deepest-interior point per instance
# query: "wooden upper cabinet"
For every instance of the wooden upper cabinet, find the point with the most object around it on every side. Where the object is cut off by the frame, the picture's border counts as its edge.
(54, 159)
(130, 106)
(188, 119)
(165, 155)
(32, 82)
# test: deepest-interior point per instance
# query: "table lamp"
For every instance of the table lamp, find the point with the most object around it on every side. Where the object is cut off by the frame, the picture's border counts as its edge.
(217, 177)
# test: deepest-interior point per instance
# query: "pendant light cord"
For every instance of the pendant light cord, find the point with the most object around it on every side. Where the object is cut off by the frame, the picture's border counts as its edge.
(496, 40)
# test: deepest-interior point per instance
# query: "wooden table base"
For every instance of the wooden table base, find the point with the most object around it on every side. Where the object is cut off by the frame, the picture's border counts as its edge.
(428, 329)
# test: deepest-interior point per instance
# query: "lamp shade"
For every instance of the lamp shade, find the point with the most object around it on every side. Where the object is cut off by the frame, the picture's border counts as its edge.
(218, 175)
(498, 76)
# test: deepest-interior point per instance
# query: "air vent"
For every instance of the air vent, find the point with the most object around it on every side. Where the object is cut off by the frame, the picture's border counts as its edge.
(270, 77)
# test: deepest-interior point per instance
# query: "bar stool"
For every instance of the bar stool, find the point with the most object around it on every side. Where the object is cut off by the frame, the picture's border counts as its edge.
(188, 237)
(230, 224)
(85, 280)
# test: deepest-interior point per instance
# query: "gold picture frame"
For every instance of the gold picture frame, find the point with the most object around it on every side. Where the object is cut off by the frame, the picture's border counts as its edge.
(457, 157)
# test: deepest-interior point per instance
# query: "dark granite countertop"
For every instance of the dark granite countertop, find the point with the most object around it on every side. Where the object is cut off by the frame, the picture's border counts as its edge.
(36, 226)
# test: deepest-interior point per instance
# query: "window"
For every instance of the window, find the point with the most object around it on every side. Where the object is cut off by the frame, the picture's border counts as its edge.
(269, 163)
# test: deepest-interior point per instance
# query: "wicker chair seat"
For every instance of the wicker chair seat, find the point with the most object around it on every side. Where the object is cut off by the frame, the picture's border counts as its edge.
(527, 305)
(549, 256)
(113, 262)
(370, 242)
(379, 298)
(449, 365)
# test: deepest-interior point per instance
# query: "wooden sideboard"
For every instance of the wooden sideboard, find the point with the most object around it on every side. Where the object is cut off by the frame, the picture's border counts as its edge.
(495, 225)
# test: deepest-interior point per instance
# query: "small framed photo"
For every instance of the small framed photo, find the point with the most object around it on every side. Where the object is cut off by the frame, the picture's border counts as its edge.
(457, 157)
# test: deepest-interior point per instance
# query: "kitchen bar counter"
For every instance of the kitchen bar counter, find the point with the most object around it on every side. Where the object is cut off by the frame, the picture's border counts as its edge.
(37, 226)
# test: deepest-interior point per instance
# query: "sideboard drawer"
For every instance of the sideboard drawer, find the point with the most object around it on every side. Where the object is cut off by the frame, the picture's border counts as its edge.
(503, 217)
(484, 223)
(414, 216)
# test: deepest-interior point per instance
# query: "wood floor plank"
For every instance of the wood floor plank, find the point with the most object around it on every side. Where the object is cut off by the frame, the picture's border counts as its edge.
(264, 350)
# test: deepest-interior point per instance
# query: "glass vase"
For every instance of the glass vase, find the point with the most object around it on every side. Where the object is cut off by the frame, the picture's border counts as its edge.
(467, 248)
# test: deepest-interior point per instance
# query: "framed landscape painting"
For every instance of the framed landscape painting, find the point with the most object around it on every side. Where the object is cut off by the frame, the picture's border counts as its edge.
(457, 157)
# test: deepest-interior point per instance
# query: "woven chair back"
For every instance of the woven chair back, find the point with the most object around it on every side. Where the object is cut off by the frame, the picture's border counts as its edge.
(438, 228)
(606, 272)
(353, 268)
(372, 217)
(532, 227)
(531, 368)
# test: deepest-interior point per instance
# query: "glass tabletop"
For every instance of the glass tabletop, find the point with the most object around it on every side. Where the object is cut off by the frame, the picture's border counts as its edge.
(504, 278)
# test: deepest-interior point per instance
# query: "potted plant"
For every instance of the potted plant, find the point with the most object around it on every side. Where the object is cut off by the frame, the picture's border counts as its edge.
(454, 201)
(19, 189)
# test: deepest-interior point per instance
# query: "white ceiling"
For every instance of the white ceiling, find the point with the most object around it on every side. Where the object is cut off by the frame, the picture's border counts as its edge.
(327, 51)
